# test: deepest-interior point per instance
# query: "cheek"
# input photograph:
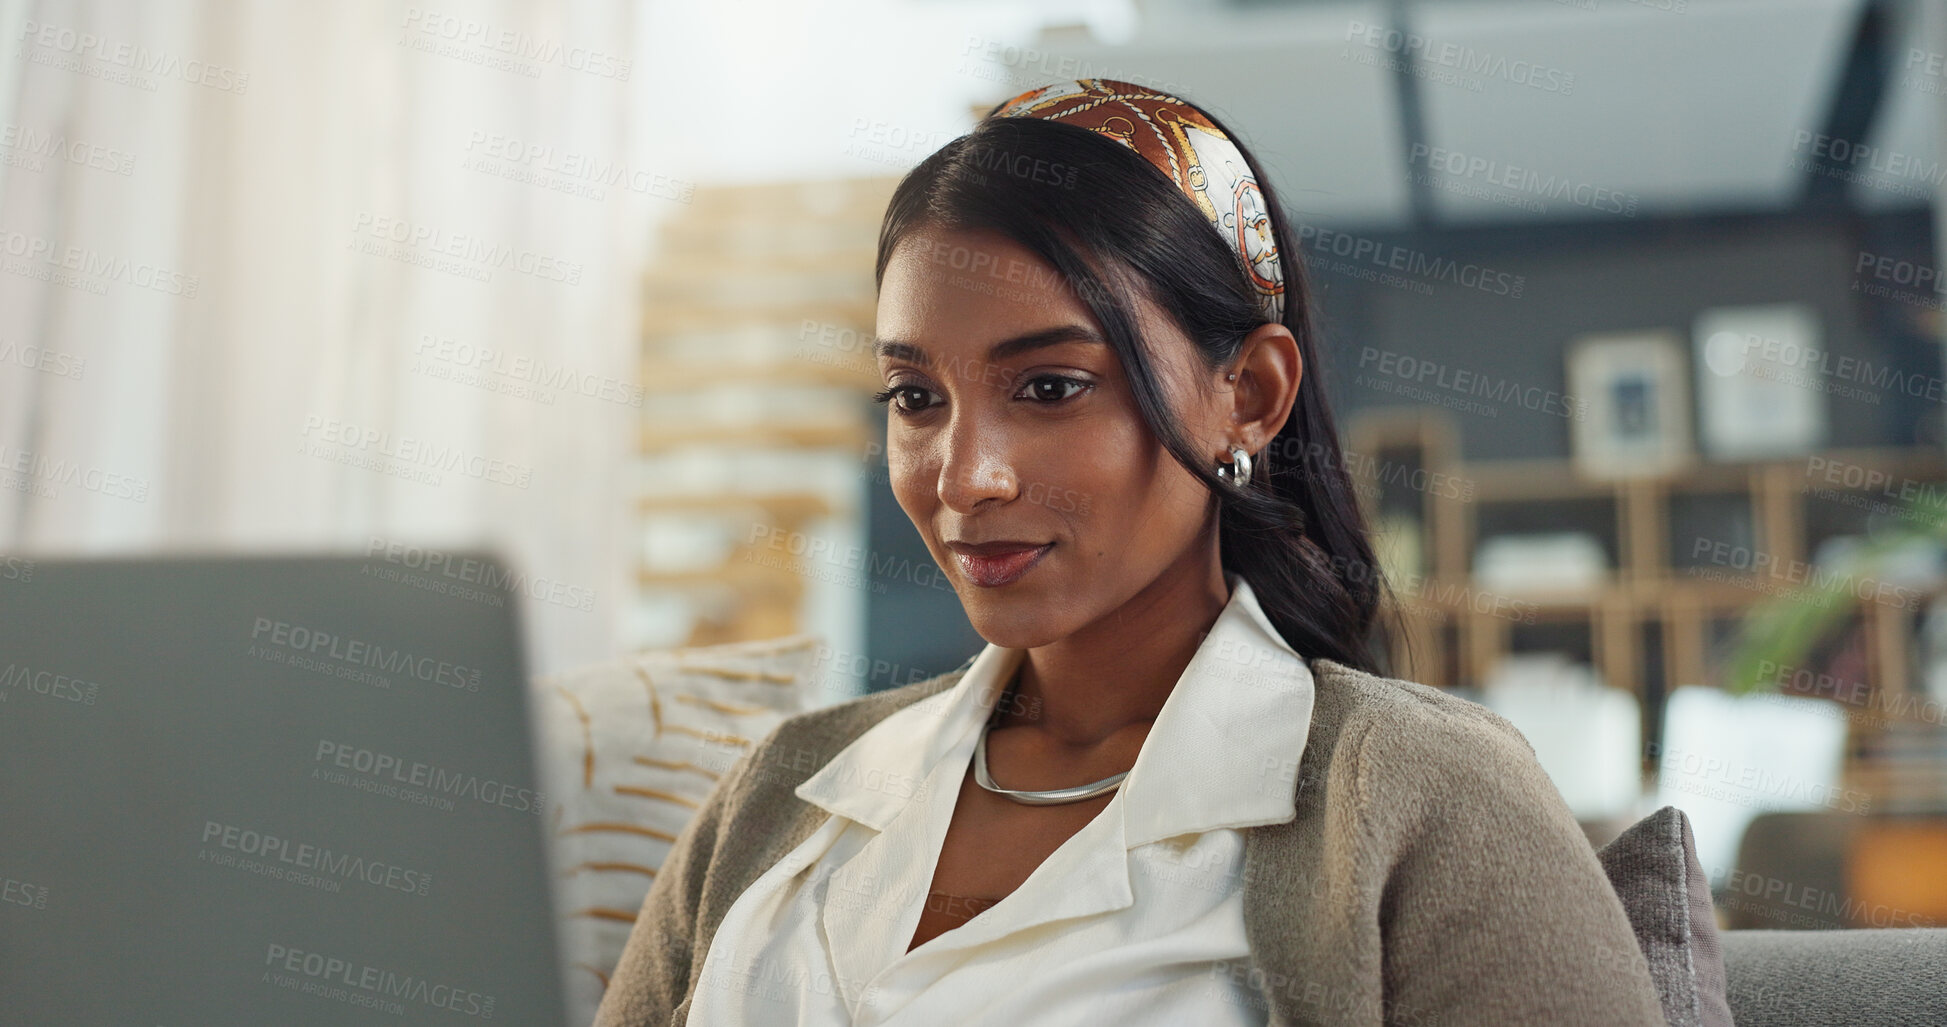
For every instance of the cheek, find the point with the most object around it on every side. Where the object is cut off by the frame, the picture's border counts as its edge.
(1148, 491)
(905, 472)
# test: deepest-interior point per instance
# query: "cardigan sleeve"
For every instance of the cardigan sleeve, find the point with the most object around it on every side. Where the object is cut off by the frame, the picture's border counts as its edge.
(1496, 910)
(653, 974)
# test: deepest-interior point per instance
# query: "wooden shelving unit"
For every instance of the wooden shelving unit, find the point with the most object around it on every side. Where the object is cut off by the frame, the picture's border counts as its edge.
(737, 386)
(1657, 619)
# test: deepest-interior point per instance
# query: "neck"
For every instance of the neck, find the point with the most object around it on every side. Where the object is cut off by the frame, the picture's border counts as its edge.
(1119, 670)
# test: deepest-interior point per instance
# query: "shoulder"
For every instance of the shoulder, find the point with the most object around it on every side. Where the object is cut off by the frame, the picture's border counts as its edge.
(1408, 734)
(1413, 716)
(843, 721)
(802, 743)
(1462, 844)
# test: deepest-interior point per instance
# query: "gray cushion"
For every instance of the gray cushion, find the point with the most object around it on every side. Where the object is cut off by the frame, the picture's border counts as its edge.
(1863, 977)
(1654, 868)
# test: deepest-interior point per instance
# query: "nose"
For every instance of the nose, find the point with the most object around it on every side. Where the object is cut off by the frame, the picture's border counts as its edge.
(975, 466)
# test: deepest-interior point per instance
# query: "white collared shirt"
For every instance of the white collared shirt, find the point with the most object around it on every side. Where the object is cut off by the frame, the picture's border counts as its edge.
(1136, 919)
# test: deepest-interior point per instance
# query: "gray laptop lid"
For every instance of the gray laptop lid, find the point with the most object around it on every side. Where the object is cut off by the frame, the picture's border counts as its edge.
(267, 791)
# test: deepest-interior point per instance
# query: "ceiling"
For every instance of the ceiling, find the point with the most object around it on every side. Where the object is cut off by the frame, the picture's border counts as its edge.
(1550, 110)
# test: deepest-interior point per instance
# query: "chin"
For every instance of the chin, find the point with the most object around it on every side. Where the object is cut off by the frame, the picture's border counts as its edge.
(1011, 623)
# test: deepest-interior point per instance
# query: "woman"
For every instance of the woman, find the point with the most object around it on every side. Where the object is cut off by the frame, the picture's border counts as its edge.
(1171, 789)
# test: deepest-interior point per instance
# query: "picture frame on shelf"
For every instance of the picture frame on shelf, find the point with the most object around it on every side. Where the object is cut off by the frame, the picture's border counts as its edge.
(1755, 396)
(1632, 394)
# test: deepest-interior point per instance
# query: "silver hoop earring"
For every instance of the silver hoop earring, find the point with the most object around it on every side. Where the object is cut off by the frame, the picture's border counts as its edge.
(1237, 470)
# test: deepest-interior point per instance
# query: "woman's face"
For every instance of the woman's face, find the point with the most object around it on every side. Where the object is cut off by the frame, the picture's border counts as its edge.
(1011, 422)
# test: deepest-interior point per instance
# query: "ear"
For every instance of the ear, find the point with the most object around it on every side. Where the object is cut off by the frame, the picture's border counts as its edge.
(1255, 405)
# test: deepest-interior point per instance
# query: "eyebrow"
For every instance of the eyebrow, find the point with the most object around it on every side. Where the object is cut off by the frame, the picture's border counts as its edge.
(900, 349)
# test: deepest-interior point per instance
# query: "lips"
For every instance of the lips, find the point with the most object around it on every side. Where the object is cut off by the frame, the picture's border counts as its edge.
(993, 570)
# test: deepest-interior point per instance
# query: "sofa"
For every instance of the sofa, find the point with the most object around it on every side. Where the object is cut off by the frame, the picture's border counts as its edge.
(1860, 977)
(629, 749)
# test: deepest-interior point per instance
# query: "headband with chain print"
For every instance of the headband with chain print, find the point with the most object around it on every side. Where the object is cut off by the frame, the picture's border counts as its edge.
(1182, 142)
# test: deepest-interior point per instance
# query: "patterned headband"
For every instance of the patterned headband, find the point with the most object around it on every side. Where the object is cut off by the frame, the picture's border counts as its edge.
(1182, 142)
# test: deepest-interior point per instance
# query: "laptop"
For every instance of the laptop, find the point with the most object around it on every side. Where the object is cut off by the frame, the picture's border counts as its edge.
(261, 791)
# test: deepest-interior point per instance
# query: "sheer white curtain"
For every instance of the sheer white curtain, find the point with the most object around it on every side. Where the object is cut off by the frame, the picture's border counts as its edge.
(296, 275)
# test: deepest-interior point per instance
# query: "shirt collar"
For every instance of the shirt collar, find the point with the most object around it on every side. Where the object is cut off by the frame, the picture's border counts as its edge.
(1222, 753)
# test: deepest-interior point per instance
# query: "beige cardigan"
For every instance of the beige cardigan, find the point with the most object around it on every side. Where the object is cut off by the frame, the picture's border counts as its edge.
(1432, 874)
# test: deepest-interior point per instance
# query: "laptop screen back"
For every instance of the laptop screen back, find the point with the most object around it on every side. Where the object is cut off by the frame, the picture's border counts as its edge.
(266, 791)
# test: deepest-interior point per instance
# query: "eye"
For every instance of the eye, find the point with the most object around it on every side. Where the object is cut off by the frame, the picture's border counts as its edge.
(896, 389)
(1048, 388)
